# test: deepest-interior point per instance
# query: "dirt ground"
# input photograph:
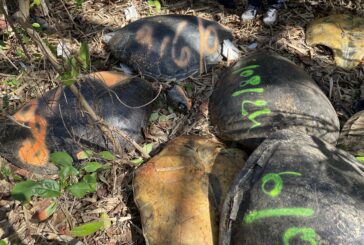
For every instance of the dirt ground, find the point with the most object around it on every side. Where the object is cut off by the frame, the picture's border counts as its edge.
(73, 25)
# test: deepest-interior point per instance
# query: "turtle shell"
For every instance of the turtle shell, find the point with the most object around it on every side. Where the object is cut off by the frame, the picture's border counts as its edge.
(56, 122)
(264, 93)
(169, 47)
(180, 191)
(295, 189)
(344, 34)
(352, 135)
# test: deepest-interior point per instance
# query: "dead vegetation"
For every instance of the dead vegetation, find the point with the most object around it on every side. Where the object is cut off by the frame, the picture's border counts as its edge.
(23, 78)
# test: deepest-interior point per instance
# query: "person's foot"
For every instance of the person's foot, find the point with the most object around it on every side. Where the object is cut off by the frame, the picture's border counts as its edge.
(271, 16)
(250, 13)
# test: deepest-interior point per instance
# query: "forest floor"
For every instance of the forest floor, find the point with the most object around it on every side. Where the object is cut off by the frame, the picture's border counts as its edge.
(23, 78)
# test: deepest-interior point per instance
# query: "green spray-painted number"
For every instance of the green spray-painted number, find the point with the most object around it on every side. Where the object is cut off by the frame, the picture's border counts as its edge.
(260, 103)
(245, 71)
(277, 181)
(277, 212)
(248, 90)
(255, 114)
(254, 80)
(305, 233)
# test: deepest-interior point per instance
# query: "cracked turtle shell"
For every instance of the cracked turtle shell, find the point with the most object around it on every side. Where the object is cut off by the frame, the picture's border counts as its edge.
(56, 122)
(343, 34)
(169, 47)
(352, 135)
(295, 189)
(264, 93)
(180, 191)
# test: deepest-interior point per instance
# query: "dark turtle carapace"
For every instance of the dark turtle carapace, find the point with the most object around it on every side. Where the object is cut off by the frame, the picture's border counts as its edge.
(169, 47)
(264, 93)
(295, 189)
(343, 34)
(180, 191)
(56, 122)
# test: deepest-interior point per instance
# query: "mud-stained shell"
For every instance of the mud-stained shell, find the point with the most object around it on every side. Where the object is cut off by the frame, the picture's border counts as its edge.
(344, 34)
(56, 122)
(169, 47)
(180, 191)
(295, 189)
(352, 135)
(264, 93)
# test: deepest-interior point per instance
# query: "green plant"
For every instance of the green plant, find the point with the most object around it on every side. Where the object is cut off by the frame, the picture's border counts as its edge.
(69, 179)
(360, 159)
(76, 64)
(92, 227)
(147, 148)
(5, 172)
(156, 4)
(12, 82)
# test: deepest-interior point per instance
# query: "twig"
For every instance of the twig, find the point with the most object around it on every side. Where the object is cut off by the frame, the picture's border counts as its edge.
(15, 121)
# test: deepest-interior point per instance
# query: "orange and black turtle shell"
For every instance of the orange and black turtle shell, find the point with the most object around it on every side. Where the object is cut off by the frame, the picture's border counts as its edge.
(56, 122)
(169, 47)
(264, 93)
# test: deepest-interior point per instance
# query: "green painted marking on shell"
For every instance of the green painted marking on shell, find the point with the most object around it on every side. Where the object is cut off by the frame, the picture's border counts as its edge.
(277, 181)
(278, 184)
(277, 212)
(255, 114)
(244, 112)
(254, 80)
(306, 234)
(241, 70)
(248, 90)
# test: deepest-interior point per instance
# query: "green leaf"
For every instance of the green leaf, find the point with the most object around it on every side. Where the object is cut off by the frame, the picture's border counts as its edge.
(36, 25)
(67, 79)
(85, 186)
(79, 3)
(92, 227)
(85, 56)
(82, 155)
(137, 161)
(5, 171)
(67, 171)
(360, 159)
(47, 188)
(153, 117)
(24, 190)
(91, 167)
(2, 242)
(35, 3)
(148, 148)
(88, 228)
(106, 219)
(157, 5)
(61, 158)
(107, 155)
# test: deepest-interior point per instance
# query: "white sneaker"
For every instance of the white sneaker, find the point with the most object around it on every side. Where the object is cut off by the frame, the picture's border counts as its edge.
(249, 13)
(270, 17)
